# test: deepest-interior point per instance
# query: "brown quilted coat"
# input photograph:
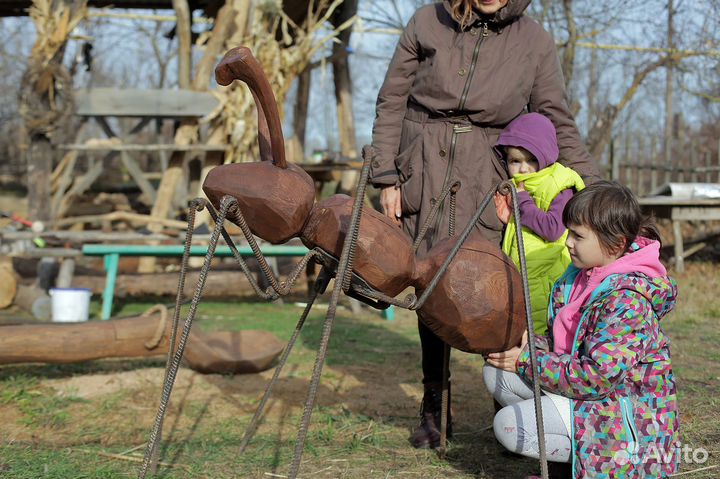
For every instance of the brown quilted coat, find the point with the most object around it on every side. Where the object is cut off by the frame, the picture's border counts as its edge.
(447, 94)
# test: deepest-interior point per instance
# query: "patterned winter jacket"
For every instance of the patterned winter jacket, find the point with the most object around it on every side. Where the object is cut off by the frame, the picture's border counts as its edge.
(618, 376)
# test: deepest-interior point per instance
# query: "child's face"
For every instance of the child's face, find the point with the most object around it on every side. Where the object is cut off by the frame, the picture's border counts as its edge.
(520, 161)
(585, 250)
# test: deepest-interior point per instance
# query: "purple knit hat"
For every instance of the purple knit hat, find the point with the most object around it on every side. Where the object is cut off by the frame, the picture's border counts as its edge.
(536, 134)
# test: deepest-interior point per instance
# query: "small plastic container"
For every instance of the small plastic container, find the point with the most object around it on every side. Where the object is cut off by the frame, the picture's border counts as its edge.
(70, 305)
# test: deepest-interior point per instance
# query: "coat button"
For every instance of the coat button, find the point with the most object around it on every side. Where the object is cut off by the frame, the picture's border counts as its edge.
(462, 72)
(375, 164)
(443, 152)
(433, 201)
(473, 31)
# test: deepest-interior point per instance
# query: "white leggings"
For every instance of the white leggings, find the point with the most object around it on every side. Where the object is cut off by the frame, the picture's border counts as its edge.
(515, 426)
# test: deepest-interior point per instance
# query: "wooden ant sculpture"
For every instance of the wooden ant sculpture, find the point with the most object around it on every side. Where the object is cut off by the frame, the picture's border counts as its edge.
(371, 258)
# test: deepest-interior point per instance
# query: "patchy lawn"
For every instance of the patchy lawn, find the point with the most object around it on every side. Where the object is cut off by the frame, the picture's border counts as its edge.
(91, 420)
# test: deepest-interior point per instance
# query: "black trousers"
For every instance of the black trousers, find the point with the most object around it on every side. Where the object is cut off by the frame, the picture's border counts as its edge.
(433, 350)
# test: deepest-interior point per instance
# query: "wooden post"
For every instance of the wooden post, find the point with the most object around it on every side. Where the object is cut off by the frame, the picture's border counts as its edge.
(43, 99)
(614, 163)
(708, 172)
(694, 163)
(642, 164)
(343, 94)
(654, 164)
(39, 169)
(592, 88)
(679, 253)
(296, 143)
(667, 136)
(681, 146)
(220, 33)
(627, 161)
(718, 161)
(183, 32)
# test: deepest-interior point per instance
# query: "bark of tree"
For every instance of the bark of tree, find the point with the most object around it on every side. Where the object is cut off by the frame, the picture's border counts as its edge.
(600, 133)
(343, 94)
(668, 133)
(296, 143)
(568, 58)
(39, 170)
(183, 33)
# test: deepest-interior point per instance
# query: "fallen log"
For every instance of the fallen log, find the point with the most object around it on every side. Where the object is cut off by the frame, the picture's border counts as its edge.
(141, 336)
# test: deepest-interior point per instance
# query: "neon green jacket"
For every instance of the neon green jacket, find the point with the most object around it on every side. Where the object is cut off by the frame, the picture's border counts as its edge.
(546, 261)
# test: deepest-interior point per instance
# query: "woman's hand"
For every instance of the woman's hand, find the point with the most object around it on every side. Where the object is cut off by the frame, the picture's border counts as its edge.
(390, 203)
(507, 360)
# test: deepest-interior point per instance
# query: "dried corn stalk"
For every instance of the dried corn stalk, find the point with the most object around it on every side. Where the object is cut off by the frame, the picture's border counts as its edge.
(46, 101)
(282, 61)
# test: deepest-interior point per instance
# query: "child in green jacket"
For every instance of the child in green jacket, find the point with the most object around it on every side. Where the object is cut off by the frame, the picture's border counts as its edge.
(529, 148)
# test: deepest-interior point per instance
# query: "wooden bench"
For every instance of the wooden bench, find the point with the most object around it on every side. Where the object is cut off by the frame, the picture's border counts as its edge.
(111, 258)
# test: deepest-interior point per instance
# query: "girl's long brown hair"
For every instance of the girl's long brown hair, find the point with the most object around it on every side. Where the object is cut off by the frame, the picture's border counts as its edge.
(462, 12)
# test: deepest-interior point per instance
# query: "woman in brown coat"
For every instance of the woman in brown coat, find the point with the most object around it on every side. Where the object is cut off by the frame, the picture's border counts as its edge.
(462, 70)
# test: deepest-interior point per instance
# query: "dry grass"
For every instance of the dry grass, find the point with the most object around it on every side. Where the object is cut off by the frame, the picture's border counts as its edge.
(81, 420)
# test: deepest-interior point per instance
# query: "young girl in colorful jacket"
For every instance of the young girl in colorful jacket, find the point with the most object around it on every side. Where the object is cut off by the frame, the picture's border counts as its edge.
(609, 402)
(529, 149)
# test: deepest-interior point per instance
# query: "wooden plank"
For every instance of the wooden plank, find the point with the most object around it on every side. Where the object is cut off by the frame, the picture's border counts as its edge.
(138, 176)
(84, 236)
(80, 186)
(696, 213)
(671, 201)
(63, 183)
(157, 103)
(165, 147)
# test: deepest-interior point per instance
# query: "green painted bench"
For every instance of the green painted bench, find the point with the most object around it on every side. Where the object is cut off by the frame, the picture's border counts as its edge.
(111, 258)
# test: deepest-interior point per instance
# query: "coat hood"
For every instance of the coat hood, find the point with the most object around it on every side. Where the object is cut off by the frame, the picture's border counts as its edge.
(504, 16)
(638, 270)
(536, 134)
(652, 282)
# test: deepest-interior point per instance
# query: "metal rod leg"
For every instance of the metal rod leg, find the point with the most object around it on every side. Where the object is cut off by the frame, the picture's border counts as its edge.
(445, 411)
(252, 427)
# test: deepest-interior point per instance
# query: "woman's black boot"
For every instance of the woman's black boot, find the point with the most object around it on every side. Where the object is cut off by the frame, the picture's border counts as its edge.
(427, 434)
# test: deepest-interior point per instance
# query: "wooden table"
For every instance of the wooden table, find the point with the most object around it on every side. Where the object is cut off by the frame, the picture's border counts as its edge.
(678, 210)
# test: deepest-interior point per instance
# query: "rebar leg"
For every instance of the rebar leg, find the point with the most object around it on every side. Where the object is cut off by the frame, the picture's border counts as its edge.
(171, 372)
(531, 333)
(445, 403)
(195, 206)
(319, 288)
(341, 279)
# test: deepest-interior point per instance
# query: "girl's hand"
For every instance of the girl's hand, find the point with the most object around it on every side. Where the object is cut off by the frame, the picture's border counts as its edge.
(507, 360)
(390, 203)
(521, 186)
(502, 207)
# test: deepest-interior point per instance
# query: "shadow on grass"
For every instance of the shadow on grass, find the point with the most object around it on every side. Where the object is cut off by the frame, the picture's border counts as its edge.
(372, 373)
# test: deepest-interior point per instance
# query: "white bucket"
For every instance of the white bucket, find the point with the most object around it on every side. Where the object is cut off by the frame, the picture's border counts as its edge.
(70, 305)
